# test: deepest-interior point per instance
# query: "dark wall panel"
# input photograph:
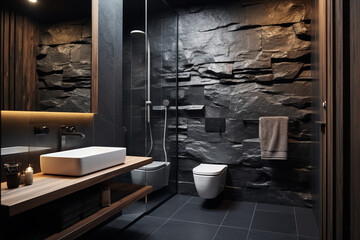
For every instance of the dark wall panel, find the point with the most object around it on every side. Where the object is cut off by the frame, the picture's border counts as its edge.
(108, 119)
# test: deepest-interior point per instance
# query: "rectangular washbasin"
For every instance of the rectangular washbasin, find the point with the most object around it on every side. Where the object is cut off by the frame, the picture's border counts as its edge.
(81, 161)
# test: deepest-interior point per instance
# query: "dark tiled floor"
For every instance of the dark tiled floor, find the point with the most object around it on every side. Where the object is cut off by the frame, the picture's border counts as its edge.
(192, 218)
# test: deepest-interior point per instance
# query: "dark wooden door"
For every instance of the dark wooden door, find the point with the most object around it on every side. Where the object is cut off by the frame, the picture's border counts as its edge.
(354, 119)
(324, 126)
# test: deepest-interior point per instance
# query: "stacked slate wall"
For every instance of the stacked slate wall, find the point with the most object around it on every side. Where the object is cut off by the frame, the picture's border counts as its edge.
(64, 67)
(240, 60)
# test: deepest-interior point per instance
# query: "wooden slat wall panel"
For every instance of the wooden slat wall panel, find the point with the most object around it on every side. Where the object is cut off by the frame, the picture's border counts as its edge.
(26, 59)
(6, 60)
(11, 60)
(19, 43)
(2, 58)
(25, 56)
(18, 60)
(36, 100)
(33, 85)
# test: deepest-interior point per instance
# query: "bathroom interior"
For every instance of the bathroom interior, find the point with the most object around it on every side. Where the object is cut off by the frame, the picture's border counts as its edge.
(179, 119)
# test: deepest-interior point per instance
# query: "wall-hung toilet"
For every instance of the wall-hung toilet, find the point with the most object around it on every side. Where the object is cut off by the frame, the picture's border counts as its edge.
(210, 179)
(155, 174)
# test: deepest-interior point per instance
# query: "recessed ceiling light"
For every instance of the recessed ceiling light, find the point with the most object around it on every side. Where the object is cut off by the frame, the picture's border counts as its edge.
(33, 1)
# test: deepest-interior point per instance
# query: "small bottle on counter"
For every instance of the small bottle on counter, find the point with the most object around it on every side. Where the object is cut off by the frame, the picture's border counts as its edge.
(105, 197)
(29, 175)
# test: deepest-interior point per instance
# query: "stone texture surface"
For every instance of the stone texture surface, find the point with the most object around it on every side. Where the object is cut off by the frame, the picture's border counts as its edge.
(243, 60)
(64, 67)
(286, 70)
(66, 32)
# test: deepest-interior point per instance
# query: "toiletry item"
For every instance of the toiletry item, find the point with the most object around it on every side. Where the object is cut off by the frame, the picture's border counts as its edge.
(29, 175)
(13, 180)
(105, 197)
(22, 177)
(12, 174)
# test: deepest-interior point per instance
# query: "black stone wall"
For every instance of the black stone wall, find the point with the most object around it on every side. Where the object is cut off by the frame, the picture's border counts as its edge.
(241, 60)
(64, 66)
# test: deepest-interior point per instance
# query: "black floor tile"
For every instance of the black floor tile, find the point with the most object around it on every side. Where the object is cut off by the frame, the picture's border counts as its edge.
(307, 225)
(240, 214)
(197, 218)
(197, 200)
(209, 203)
(274, 208)
(198, 213)
(258, 235)
(170, 207)
(142, 229)
(274, 222)
(111, 229)
(227, 233)
(176, 230)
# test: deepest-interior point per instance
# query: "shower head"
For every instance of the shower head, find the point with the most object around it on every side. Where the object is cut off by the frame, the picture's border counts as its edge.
(166, 103)
(137, 33)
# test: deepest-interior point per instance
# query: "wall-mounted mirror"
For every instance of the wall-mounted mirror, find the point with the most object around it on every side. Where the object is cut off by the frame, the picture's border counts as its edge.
(49, 55)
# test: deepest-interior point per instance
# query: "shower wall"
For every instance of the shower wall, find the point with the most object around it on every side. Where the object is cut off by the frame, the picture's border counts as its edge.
(161, 26)
(240, 60)
(162, 30)
(134, 77)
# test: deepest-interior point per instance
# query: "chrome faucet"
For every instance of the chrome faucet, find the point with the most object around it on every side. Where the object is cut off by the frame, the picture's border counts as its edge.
(68, 131)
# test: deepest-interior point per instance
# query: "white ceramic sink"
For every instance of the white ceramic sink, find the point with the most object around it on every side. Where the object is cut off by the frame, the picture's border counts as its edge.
(81, 161)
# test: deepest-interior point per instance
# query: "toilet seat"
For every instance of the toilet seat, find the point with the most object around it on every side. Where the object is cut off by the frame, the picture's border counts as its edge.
(209, 169)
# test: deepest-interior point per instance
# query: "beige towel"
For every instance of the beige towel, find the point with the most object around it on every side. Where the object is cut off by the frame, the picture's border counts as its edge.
(273, 134)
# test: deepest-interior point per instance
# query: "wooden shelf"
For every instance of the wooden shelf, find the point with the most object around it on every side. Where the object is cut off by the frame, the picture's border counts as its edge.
(102, 215)
(47, 188)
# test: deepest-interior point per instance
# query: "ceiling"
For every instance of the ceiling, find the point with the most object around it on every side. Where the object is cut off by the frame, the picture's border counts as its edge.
(188, 3)
(50, 10)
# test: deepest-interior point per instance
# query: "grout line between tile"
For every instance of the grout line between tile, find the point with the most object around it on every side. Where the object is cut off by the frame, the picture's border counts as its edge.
(155, 217)
(228, 226)
(315, 238)
(296, 225)
(252, 219)
(169, 218)
(272, 211)
(222, 221)
(208, 224)
(257, 230)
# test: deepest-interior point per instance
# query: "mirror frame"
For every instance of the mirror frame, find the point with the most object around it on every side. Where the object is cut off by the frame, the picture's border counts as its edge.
(94, 61)
(94, 55)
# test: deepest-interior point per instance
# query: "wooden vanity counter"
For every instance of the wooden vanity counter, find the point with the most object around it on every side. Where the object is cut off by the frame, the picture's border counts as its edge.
(47, 188)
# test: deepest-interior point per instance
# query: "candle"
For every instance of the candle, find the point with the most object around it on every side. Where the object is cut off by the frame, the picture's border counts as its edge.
(22, 178)
(29, 176)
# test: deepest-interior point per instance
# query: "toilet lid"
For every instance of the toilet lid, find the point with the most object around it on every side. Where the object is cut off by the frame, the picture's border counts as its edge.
(152, 166)
(209, 169)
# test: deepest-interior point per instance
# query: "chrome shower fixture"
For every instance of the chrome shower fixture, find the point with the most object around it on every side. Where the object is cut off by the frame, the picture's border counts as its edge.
(166, 103)
(139, 34)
